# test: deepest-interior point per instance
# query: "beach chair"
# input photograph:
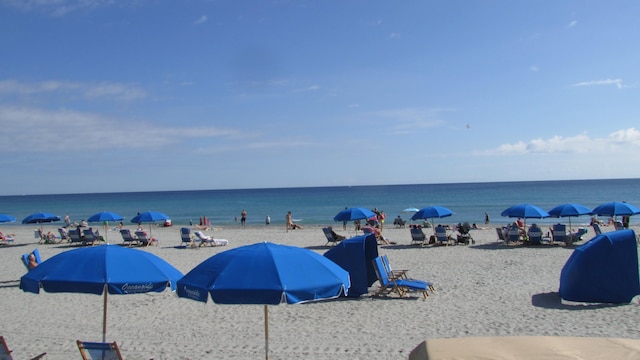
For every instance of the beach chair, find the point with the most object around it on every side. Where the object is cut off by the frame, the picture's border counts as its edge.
(441, 235)
(500, 232)
(417, 236)
(128, 238)
(403, 274)
(535, 236)
(25, 260)
(185, 236)
(99, 350)
(399, 223)
(330, 238)
(75, 237)
(577, 236)
(513, 234)
(64, 235)
(559, 232)
(205, 239)
(143, 238)
(5, 353)
(596, 229)
(91, 237)
(392, 284)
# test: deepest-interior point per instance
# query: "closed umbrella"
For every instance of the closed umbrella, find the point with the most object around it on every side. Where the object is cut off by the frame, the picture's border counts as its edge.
(265, 274)
(105, 269)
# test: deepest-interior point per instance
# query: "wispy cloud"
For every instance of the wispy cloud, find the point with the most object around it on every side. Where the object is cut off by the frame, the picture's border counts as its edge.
(616, 82)
(105, 90)
(627, 140)
(60, 7)
(203, 19)
(572, 24)
(36, 130)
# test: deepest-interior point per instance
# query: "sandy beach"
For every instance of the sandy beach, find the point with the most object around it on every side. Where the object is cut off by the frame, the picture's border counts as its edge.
(486, 289)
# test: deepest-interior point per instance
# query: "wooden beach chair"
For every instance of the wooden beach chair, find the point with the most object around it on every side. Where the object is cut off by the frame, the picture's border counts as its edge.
(99, 350)
(185, 237)
(128, 238)
(5, 353)
(393, 284)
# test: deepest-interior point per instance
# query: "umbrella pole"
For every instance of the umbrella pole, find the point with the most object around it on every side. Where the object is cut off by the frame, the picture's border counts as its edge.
(266, 333)
(104, 316)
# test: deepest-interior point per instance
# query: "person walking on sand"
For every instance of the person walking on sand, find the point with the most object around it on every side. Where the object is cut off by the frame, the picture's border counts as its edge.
(243, 217)
(486, 218)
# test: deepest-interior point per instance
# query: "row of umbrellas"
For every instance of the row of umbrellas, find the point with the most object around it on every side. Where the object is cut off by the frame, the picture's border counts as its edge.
(262, 273)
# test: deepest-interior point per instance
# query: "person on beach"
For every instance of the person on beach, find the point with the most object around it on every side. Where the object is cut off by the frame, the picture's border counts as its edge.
(243, 217)
(67, 220)
(290, 224)
(344, 223)
(267, 220)
(335, 235)
(486, 218)
(32, 261)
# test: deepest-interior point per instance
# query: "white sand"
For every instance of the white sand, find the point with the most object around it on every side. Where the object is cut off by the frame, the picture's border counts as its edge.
(488, 289)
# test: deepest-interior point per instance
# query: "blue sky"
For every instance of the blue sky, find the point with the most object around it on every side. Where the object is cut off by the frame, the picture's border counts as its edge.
(104, 96)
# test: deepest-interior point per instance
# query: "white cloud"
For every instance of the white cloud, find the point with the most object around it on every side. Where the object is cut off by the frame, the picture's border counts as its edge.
(105, 90)
(616, 82)
(627, 140)
(572, 24)
(203, 19)
(533, 68)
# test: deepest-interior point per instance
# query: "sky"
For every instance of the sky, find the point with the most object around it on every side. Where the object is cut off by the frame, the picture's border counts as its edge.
(137, 95)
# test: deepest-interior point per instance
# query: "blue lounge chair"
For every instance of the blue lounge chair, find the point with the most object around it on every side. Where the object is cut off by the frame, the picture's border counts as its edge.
(99, 351)
(441, 235)
(143, 238)
(417, 236)
(128, 238)
(535, 235)
(577, 236)
(25, 260)
(559, 233)
(185, 237)
(513, 234)
(390, 284)
(75, 237)
(403, 274)
(91, 237)
(5, 353)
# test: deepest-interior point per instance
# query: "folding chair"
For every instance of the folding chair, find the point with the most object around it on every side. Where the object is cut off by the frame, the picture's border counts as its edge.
(99, 350)
(5, 353)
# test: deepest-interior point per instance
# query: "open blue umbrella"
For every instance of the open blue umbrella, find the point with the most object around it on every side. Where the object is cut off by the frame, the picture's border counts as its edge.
(356, 213)
(266, 274)
(6, 218)
(105, 269)
(432, 212)
(525, 211)
(149, 217)
(105, 217)
(616, 208)
(569, 210)
(40, 218)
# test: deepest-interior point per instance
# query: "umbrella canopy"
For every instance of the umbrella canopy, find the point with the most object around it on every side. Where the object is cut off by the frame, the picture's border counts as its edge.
(431, 212)
(6, 218)
(41, 217)
(104, 217)
(149, 217)
(265, 273)
(93, 270)
(616, 208)
(525, 211)
(356, 213)
(569, 210)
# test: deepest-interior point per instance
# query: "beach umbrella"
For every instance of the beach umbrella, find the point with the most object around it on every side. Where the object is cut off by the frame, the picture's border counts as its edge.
(6, 218)
(149, 217)
(102, 270)
(525, 211)
(569, 210)
(356, 213)
(40, 218)
(616, 208)
(432, 212)
(265, 274)
(105, 217)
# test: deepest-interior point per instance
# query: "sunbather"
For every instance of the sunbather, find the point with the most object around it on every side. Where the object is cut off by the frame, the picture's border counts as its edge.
(32, 261)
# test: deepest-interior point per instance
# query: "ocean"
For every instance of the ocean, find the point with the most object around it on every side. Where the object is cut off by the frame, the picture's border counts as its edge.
(318, 205)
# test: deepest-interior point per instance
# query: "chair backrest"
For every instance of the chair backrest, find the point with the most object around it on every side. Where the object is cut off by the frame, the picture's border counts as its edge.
(64, 235)
(417, 234)
(500, 234)
(513, 233)
(559, 232)
(381, 272)
(328, 234)
(127, 236)
(89, 235)
(596, 228)
(535, 236)
(37, 234)
(74, 236)
(99, 351)
(25, 261)
(441, 233)
(185, 235)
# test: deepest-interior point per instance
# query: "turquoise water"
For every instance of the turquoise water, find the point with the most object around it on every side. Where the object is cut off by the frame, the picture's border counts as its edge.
(318, 205)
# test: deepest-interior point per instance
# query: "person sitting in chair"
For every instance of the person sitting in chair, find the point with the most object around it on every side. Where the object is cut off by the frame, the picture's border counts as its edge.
(336, 236)
(32, 261)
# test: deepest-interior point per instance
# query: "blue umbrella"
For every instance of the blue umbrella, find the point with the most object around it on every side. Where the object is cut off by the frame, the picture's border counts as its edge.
(40, 218)
(105, 217)
(569, 210)
(432, 212)
(356, 213)
(149, 217)
(6, 218)
(525, 211)
(93, 270)
(267, 274)
(616, 208)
